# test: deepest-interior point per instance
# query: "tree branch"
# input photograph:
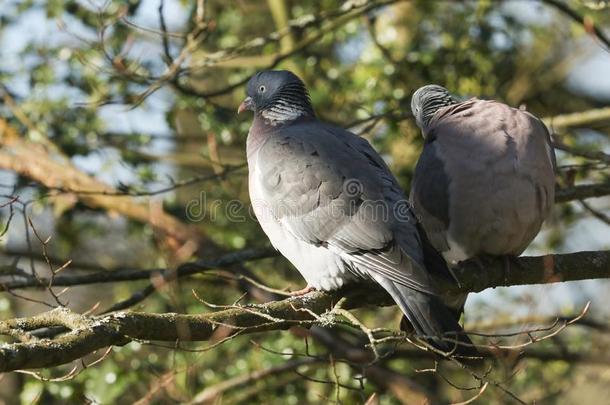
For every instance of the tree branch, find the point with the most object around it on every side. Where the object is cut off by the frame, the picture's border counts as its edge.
(214, 392)
(88, 333)
(533, 270)
(582, 192)
(584, 20)
(562, 195)
(53, 170)
(186, 269)
(579, 119)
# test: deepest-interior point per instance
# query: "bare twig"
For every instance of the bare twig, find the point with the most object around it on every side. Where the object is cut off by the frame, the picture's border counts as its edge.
(183, 270)
(582, 191)
(593, 155)
(596, 213)
(209, 394)
(586, 21)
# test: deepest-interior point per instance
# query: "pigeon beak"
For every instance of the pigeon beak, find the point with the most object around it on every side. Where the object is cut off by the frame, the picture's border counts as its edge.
(247, 104)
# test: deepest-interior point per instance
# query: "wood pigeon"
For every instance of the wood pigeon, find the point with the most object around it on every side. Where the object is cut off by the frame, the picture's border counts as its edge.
(485, 180)
(330, 205)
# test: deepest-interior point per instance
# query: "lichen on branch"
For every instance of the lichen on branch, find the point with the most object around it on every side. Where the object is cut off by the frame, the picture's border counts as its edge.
(86, 334)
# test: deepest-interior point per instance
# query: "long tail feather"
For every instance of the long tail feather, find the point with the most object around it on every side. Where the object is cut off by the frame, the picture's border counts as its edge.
(432, 320)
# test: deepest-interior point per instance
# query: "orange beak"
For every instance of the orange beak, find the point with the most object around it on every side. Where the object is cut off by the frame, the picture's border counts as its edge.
(247, 104)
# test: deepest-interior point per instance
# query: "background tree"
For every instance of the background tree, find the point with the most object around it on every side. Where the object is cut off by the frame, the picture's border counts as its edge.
(123, 187)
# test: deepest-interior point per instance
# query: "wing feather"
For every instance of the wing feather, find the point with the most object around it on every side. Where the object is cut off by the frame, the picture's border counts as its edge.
(330, 188)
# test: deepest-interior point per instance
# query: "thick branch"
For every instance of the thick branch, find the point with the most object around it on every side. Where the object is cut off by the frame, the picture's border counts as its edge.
(92, 333)
(533, 270)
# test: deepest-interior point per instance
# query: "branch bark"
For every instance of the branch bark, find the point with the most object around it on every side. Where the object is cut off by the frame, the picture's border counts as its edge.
(88, 333)
(533, 270)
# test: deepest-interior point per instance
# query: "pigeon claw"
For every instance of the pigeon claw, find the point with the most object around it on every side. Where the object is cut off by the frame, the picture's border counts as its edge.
(303, 291)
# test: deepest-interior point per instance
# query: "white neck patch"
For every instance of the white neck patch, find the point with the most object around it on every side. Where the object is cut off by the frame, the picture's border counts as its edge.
(282, 112)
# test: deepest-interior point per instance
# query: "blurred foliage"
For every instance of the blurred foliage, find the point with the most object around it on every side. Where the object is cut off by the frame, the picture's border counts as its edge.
(77, 69)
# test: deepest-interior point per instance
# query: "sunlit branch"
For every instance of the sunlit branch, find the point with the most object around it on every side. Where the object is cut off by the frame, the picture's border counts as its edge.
(88, 333)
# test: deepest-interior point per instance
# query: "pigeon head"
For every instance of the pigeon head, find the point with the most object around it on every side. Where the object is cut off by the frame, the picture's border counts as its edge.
(427, 100)
(278, 96)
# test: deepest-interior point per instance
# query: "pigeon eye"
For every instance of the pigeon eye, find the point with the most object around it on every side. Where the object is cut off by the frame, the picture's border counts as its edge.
(261, 89)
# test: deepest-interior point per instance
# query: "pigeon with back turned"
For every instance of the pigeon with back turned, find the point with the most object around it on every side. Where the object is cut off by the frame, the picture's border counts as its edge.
(330, 205)
(485, 180)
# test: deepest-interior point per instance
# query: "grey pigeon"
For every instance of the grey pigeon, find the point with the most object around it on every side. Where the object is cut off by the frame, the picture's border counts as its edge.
(330, 205)
(485, 180)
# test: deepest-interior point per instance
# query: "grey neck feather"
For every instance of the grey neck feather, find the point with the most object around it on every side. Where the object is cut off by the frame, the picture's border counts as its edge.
(427, 100)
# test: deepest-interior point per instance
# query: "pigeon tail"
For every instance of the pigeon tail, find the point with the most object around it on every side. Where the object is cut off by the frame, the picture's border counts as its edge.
(433, 321)
(438, 268)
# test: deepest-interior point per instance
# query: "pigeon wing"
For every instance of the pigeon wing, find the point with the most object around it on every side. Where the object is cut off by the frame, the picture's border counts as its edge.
(330, 188)
(430, 195)
(500, 167)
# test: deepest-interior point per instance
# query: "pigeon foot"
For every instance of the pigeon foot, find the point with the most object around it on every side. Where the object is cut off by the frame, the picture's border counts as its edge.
(303, 291)
(508, 260)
